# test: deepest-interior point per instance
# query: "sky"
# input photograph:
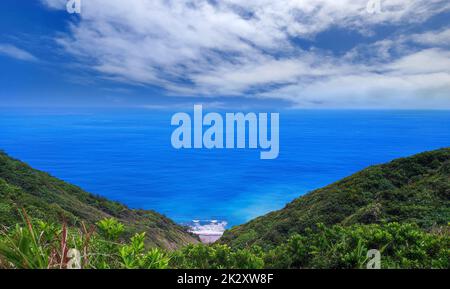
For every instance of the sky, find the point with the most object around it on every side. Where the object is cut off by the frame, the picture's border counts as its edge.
(320, 54)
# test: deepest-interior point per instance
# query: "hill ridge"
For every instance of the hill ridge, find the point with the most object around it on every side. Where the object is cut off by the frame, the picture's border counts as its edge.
(414, 189)
(46, 197)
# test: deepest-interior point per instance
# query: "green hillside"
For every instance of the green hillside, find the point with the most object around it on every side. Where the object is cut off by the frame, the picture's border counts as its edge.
(334, 227)
(407, 190)
(47, 198)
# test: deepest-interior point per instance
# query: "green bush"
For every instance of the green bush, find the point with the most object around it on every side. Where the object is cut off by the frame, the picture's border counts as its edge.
(216, 256)
(133, 255)
(37, 244)
(400, 245)
(111, 228)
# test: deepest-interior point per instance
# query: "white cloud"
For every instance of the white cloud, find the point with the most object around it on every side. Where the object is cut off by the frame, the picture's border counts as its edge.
(15, 52)
(418, 80)
(422, 62)
(433, 38)
(55, 4)
(228, 48)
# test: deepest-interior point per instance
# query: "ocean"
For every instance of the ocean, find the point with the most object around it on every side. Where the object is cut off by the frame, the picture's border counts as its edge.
(126, 155)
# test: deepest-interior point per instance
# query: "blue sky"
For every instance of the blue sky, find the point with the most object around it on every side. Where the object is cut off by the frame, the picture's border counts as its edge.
(156, 54)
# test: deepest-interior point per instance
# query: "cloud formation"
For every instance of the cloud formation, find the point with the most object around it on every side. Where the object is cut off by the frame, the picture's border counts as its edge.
(251, 48)
(15, 52)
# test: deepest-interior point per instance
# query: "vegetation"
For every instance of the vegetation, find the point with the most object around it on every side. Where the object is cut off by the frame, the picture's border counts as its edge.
(400, 209)
(38, 244)
(47, 198)
(400, 246)
(409, 190)
(42, 245)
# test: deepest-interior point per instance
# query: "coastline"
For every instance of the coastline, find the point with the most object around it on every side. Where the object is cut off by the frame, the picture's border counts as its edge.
(208, 231)
(209, 238)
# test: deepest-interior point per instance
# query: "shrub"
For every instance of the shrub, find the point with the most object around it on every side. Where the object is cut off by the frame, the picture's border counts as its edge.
(111, 228)
(37, 244)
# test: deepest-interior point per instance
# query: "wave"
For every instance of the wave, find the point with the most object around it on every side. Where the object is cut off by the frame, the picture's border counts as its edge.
(208, 227)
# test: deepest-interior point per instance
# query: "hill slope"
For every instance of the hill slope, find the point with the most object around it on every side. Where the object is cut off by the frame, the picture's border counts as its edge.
(50, 199)
(414, 189)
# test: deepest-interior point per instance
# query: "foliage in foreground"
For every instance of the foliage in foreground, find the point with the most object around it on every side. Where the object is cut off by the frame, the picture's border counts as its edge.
(38, 244)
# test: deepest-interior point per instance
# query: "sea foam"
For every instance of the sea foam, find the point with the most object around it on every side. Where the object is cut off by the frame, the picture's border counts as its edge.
(208, 231)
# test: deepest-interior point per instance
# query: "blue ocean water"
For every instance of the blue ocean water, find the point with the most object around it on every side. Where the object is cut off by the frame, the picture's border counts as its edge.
(126, 155)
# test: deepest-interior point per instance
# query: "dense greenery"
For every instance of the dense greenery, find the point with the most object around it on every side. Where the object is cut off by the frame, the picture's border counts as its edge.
(409, 190)
(401, 209)
(47, 198)
(38, 244)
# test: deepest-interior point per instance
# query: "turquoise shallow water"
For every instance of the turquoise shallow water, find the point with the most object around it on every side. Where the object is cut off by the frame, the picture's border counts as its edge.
(126, 155)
